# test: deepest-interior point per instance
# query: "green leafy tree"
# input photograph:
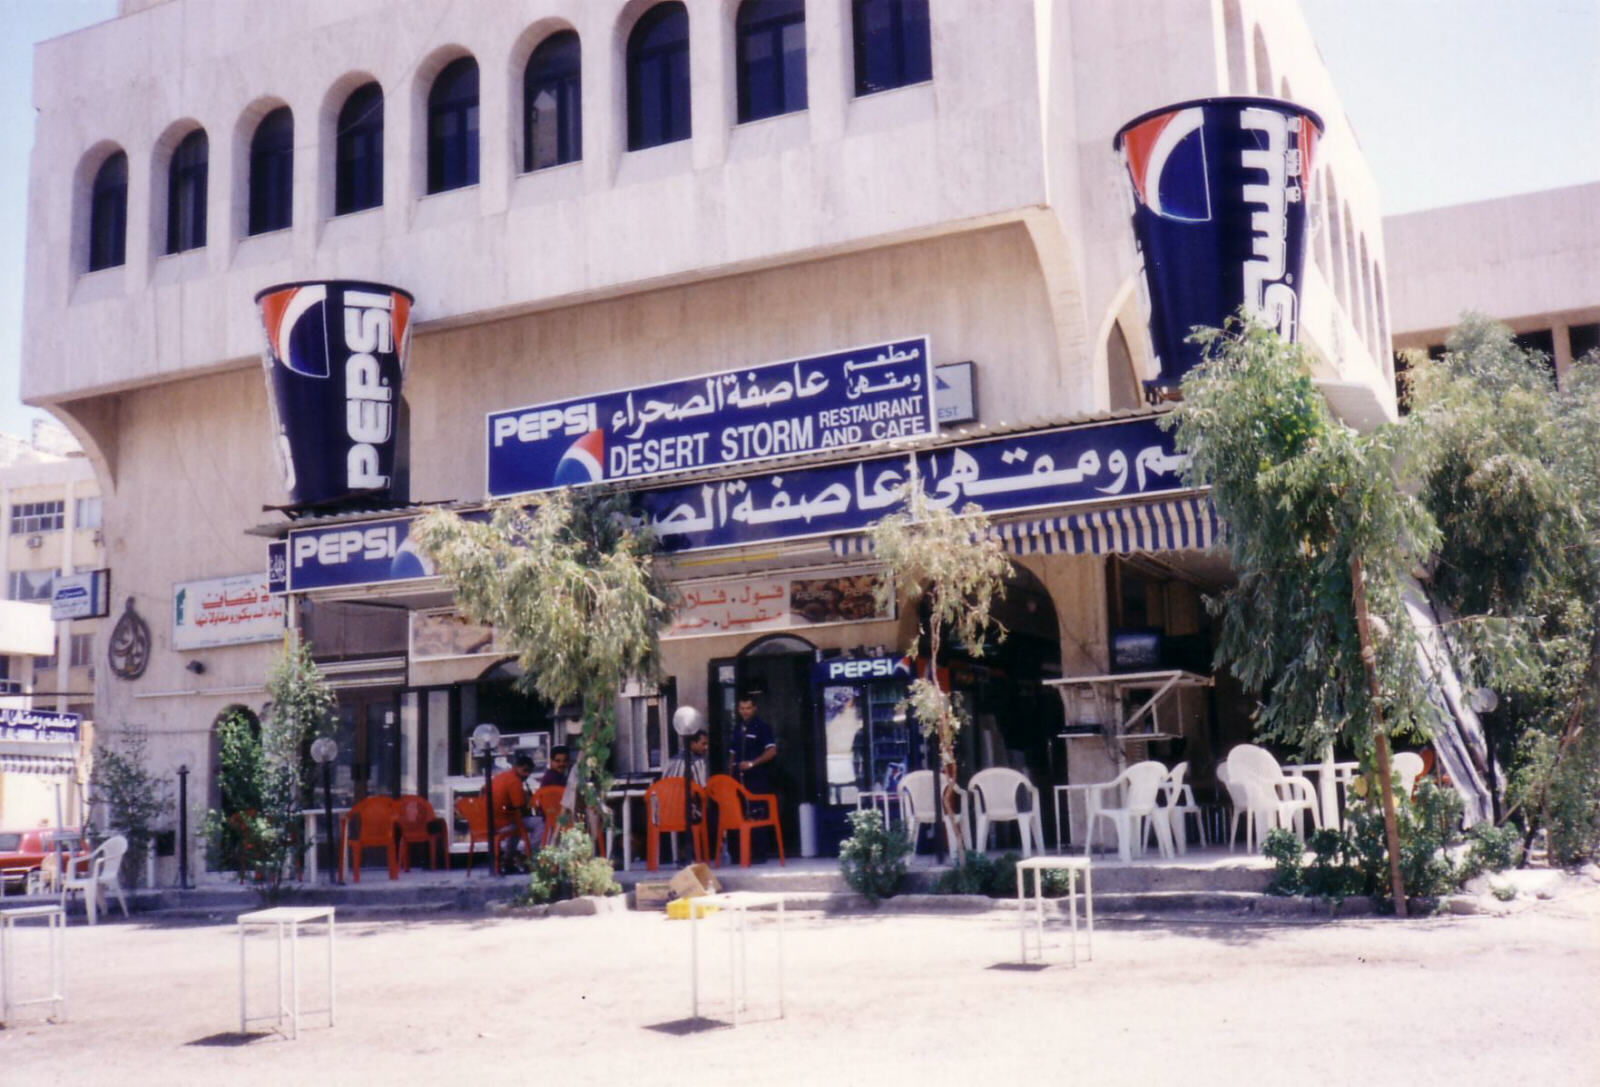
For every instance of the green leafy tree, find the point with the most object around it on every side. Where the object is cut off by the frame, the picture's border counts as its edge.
(135, 799)
(1510, 471)
(570, 586)
(951, 568)
(262, 773)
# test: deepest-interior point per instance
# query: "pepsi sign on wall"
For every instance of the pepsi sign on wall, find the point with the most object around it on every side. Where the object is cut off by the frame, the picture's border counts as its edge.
(848, 398)
(335, 356)
(1221, 187)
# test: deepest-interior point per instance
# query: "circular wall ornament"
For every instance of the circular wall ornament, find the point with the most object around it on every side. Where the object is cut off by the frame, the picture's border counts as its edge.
(129, 652)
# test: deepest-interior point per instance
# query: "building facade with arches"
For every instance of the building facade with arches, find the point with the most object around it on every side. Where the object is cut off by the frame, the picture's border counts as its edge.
(607, 194)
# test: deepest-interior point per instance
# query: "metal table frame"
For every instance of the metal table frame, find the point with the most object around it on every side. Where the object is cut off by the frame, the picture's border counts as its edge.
(55, 919)
(285, 919)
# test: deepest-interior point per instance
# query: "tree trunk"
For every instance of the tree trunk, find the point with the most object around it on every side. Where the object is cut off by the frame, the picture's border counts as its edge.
(1369, 662)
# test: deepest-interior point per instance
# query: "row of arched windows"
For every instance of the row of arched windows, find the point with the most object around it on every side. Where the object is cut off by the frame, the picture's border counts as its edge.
(892, 48)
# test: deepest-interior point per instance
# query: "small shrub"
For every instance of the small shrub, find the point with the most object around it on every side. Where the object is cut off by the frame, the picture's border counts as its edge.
(1333, 871)
(568, 868)
(1504, 893)
(135, 799)
(873, 858)
(1288, 859)
(1491, 849)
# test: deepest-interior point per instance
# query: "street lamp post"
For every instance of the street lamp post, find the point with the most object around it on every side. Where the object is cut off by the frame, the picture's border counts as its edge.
(686, 722)
(485, 738)
(324, 750)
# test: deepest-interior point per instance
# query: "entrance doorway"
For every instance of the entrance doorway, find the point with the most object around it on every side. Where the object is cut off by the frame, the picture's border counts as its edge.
(368, 734)
(776, 671)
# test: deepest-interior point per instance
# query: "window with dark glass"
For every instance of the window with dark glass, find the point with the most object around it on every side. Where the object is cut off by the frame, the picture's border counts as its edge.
(272, 172)
(891, 44)
(770, 54)
(658, 77)
(552, 103)
(108, 214)
(186, 194)
(358, 151)
(453, 127)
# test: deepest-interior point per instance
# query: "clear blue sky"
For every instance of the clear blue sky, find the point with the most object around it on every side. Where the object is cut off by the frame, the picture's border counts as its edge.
(1453, 100)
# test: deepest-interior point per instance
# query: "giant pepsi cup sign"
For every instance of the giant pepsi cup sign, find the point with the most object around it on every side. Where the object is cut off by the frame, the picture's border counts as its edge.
(1220, 189)
(335, 356)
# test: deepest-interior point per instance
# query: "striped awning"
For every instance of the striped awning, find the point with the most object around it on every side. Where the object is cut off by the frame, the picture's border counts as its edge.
(36, 764)
(1179, 524)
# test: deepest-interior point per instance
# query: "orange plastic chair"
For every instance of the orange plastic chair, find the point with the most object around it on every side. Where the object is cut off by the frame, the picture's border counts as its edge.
(733, 801)
(372, 820)
(416, 824)
(547, 802)
(663, 813)
(471, 811)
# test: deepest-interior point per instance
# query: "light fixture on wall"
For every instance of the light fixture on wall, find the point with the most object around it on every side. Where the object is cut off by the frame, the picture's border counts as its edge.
(197, 667)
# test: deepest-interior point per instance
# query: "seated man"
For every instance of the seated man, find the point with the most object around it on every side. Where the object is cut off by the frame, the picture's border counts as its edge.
(511, 804)
(699, 747)
(560, 764)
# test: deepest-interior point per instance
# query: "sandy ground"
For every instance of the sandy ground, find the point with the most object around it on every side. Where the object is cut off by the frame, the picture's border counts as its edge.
(871, 999)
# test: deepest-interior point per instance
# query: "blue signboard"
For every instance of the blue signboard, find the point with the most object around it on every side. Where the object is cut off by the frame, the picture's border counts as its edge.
(1129, 459)
(1126, 459)
(861, 669)
(838, 401)
(277, 567)
(38, 726)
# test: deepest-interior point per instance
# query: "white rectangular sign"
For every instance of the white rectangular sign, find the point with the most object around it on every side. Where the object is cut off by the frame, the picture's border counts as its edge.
(225, 611)
(782, 602)
(80, 596)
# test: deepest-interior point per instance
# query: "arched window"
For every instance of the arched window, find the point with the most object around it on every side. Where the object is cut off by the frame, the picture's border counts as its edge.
(186, 194)
(552, 103)
(1367, 298)
(771, 57)
(358, 151)
(1233, 28)
(658, 77)
(272, 172)
(1354, 309)
(108, 214)
(453, 127)
(1263, 66)
(1336, 243)
(1317, 224)
(892, 44)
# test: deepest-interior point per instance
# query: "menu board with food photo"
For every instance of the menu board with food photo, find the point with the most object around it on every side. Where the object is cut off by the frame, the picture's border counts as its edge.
(842, 598)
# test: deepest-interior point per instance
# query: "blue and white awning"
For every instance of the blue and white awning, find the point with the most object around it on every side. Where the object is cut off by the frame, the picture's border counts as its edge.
(36, 764)
(1181, 524)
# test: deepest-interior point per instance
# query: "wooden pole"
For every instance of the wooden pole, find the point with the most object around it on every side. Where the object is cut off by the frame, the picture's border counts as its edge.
(1369, 663)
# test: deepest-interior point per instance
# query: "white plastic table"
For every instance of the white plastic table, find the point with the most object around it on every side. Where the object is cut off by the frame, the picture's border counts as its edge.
(311, 816)
(1333, 779)
(879, 800)
(286, 920)
(1067, 790)
(737, 903)
(624, 798)
(1072, 866)
(55, 919)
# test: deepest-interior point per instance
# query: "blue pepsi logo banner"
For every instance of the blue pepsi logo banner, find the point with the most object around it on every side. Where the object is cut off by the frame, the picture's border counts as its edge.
(842, 400)
(335, 355)
(1221, 190)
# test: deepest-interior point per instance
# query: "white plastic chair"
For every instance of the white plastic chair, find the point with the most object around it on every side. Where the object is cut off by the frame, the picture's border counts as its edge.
(1241, 796)
(1180, 804)
(917, 808)
(995, 791)
(1273, 797)
(1138, 812)
(96, 874)
(1407, 765)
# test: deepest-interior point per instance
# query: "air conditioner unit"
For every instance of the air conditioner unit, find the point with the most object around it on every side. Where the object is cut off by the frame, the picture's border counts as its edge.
(35, 542)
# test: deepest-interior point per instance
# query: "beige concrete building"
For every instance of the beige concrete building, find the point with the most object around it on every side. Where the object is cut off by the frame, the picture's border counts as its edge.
(601, 195)
(1531, 262)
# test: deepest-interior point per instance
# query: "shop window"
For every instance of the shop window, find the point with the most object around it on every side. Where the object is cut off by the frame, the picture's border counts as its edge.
(453, 127)
(108, 214)
(86, 512)
(1583, 339)
(272, 172)
(552, 103)
(893, 47)
(770, 54)
(31, 517)
(658, 78)
(186, 194)
(358, 151)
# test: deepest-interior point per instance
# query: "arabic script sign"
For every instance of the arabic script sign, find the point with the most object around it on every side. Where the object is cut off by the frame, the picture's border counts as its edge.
(839, 401)
(38, 726)
(1127, 459)
(225, 611)
(747, 605)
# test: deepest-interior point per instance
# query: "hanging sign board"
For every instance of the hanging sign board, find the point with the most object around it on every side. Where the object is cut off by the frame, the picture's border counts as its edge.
(81, 596)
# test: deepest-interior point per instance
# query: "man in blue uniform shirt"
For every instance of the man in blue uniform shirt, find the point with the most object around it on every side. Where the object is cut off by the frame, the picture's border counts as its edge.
(751, 752)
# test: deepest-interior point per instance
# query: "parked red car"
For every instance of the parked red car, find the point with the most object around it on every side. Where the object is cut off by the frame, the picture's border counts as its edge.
(23, 851)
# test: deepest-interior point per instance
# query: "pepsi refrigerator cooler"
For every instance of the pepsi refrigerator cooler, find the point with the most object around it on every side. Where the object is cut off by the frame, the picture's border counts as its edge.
(867, 743)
